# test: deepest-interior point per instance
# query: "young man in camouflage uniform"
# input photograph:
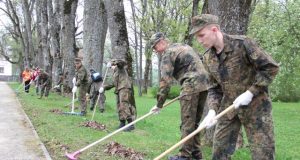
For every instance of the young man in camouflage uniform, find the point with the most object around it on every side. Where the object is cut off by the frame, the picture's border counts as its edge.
(44, 82)
(180, 61)
(124, 92)
(240, 72)
(94, 92)
(81, 81)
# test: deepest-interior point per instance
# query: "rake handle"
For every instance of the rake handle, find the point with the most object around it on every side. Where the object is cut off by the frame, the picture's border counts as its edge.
(121, 129)
(200, 128)
(99, 95)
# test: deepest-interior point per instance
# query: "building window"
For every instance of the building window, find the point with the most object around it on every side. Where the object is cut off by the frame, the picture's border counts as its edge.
(1, 69)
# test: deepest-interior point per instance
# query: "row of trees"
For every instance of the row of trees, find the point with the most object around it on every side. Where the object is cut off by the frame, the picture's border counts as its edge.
(45, 33)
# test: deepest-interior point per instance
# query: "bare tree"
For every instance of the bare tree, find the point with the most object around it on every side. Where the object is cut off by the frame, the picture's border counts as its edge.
(94, 33)
(38, 59)
(17, 31)
(44, 39)
(118, 31)
(189, 38)
(27, 34)
(54, 30)
(138, 78)
(67, 43)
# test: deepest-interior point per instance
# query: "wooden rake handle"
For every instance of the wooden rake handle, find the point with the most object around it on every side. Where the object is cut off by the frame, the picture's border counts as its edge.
(105, 75)
(126, 126)
(200, 128)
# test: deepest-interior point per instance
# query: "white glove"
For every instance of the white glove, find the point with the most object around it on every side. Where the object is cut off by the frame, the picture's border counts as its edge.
(101, 90)
(243, 99)
(209, 119)
(155, 110)
(108, 65)
(74, 81)
(74, 89)
(57, 86)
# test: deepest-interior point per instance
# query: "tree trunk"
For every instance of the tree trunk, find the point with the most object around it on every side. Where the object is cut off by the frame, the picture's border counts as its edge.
(27, 32)
(118, 32)
(148, 54)
(53, 17)
(94, 33)
(234, 18)
(188, 39)
(44, 38)
(68, 45)
(138, 78)
(39, 60)
(233, 15)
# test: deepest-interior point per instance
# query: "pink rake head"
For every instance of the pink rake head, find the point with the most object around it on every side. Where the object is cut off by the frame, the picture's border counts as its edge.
(72, 156)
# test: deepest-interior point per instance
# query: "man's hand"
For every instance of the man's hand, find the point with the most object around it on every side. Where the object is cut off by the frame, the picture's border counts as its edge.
(101, 90)
(74, 89)
(209, 119)
(108, 65)
(57, 86)
(74, 80)
(155, 110)
(243, 99)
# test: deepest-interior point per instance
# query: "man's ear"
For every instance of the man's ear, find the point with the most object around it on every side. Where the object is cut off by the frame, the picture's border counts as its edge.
(214, 29)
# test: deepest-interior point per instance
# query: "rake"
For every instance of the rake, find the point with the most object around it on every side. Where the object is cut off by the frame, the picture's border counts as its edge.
(200, 128)
(75, 155)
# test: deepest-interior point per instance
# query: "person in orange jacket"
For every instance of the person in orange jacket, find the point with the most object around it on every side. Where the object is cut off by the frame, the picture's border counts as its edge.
(26, 75)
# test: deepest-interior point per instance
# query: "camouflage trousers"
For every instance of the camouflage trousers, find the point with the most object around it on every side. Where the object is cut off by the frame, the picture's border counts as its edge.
(126, 109)
(83, 88)
(101, 102)
(45, 89)
(192, 106)
(258, 124)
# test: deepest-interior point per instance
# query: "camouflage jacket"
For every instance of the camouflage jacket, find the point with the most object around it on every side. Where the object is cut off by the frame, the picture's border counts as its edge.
(180, 61)
(44, 79)
(241, 66)
(121, 80)
(82, 76)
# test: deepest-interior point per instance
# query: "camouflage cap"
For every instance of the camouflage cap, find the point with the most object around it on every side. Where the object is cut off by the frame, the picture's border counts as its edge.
(77, 60)
(118, 62)
(155, 38)
(199, 22)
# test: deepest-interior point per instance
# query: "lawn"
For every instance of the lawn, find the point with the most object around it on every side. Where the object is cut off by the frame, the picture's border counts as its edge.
(152, 136)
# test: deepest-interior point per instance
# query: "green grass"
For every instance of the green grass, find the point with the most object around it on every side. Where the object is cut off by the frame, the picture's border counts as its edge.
(152, 136)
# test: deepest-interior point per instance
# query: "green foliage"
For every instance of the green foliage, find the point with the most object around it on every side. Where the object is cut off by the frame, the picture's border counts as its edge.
(276, 27)
(174, 92)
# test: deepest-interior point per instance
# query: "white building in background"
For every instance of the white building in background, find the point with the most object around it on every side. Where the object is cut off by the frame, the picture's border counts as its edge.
(5, 70)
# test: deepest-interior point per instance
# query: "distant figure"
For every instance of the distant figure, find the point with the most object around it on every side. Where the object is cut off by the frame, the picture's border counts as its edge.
(96, 83)
(81, 81)
(59, 85)
(124, 93)
(26, 75)
(44, 82)
(34, 77)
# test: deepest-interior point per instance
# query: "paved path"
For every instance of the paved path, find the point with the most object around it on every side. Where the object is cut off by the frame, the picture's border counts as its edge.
(18, 138)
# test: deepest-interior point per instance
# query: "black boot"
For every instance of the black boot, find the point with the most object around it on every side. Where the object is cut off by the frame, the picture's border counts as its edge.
(122, 123)
(131, 127)
(91, 108)
(82, 113)
(101, 110)
(178, 158)
(197, 155)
